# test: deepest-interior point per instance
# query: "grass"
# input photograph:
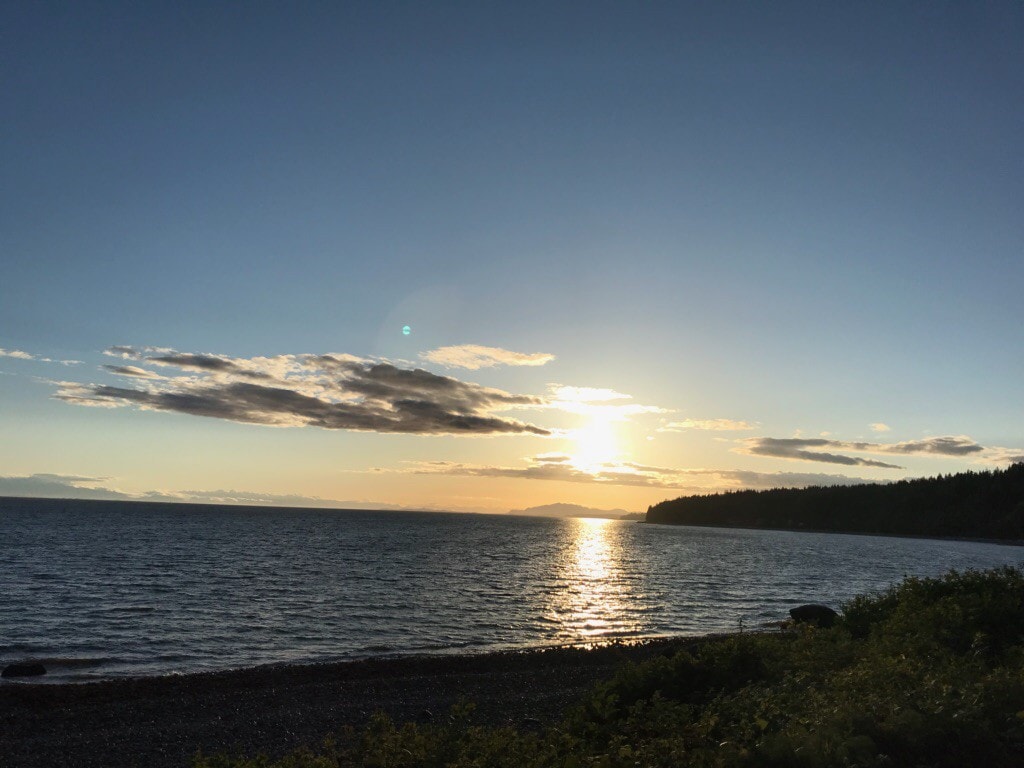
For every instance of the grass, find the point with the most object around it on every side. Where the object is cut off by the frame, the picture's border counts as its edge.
(928, 673)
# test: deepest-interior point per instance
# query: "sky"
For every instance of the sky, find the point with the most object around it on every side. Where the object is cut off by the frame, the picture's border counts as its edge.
(640, 250)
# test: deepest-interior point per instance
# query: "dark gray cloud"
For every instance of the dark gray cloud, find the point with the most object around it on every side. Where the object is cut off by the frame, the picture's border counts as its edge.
(939, 446)
(327, 391)
(209, 364)
(388, 383)
(795, 448)
(197, 362)
(814, 449)
(552, 458)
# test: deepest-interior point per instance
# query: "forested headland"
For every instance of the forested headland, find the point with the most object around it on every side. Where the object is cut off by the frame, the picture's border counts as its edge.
(983, 505)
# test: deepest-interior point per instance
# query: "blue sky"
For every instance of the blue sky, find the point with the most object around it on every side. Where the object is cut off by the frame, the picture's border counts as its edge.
(800, 218)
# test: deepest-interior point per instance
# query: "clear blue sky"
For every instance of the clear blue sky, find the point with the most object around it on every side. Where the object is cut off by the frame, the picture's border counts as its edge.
(795, 218)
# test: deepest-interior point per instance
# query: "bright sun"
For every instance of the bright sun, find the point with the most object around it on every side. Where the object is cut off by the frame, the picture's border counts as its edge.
(597, 444)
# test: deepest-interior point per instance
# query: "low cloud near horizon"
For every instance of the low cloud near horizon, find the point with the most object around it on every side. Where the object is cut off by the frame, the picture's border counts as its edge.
(560, 468)
(47, 485)
(54, 486)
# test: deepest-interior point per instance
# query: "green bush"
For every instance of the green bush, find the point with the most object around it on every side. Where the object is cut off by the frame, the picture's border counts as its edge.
(928, 673)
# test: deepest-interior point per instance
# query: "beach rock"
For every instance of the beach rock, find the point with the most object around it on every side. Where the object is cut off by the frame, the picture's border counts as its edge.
(819, 615)
(27, 669)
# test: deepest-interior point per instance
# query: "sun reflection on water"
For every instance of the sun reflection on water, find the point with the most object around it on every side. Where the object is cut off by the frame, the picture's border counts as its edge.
(591, 598)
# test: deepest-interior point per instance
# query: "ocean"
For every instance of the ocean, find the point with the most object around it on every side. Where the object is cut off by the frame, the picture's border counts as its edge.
(111, 589)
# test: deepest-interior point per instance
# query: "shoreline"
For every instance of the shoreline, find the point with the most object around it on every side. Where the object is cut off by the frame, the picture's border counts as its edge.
(160, 722)
(922, 536)
(54, 677)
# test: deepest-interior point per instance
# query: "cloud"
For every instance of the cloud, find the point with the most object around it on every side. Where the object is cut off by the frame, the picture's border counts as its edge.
(552, 458)
(256, 368)
(51, 486)
(328, 391)
(715, 425)
(551, 468)
(132, 370)
(44, 485)
(596, 402)
(1002, 456)
(474, 357)
(127, 353)
(813, 449)
(542, 470)
(258, 499)
(879, 427)
(585, 394)
(794, 448)
(941, 446)
(19, 354)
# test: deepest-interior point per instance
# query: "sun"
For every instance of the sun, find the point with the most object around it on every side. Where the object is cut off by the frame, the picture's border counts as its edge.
(597, 444)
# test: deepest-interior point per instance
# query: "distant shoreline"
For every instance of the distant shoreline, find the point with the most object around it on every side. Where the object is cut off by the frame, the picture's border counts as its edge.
(185, 505)
(180, 505)
(1007, 542)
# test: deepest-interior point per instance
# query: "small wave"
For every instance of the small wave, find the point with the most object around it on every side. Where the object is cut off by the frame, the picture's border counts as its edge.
(127, 609)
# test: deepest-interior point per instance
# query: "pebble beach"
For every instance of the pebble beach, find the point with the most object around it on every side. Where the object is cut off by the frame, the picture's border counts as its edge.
(161, 722)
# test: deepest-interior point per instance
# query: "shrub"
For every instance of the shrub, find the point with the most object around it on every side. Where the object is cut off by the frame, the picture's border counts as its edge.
(930, 672)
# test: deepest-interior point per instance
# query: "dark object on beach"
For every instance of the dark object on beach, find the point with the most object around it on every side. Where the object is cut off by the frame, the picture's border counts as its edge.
(27, 669)
(820, 615)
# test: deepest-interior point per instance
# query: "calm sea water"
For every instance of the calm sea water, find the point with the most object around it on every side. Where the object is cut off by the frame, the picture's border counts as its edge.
(104, 590)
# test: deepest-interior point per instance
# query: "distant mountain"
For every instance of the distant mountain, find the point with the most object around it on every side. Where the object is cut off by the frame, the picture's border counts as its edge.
(573, 510)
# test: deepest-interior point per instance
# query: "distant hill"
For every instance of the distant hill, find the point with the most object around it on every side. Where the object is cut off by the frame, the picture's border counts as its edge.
(982, 505)
(574, 510)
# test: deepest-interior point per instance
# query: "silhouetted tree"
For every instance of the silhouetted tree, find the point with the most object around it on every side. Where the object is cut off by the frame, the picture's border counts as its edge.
(986, 505)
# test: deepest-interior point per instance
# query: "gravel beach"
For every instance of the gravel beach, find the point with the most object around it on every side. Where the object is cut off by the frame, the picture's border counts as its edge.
(161, 722)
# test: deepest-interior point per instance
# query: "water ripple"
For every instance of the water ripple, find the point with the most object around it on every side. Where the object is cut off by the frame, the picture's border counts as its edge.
(103, 591)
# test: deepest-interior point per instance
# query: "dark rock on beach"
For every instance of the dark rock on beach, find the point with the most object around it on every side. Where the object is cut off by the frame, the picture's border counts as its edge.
(26, 669)
(819, 615)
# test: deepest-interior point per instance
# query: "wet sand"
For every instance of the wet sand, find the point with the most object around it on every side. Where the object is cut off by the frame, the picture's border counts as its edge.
(162, 721)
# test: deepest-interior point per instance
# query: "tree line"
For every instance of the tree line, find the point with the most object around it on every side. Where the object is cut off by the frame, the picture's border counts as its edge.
(987, 505)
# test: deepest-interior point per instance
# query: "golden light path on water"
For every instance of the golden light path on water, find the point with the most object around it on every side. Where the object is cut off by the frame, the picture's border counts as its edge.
(593, 601)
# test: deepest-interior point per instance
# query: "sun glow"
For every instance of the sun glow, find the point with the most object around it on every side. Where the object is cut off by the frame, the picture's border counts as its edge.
(597, 444)
(592, 598)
